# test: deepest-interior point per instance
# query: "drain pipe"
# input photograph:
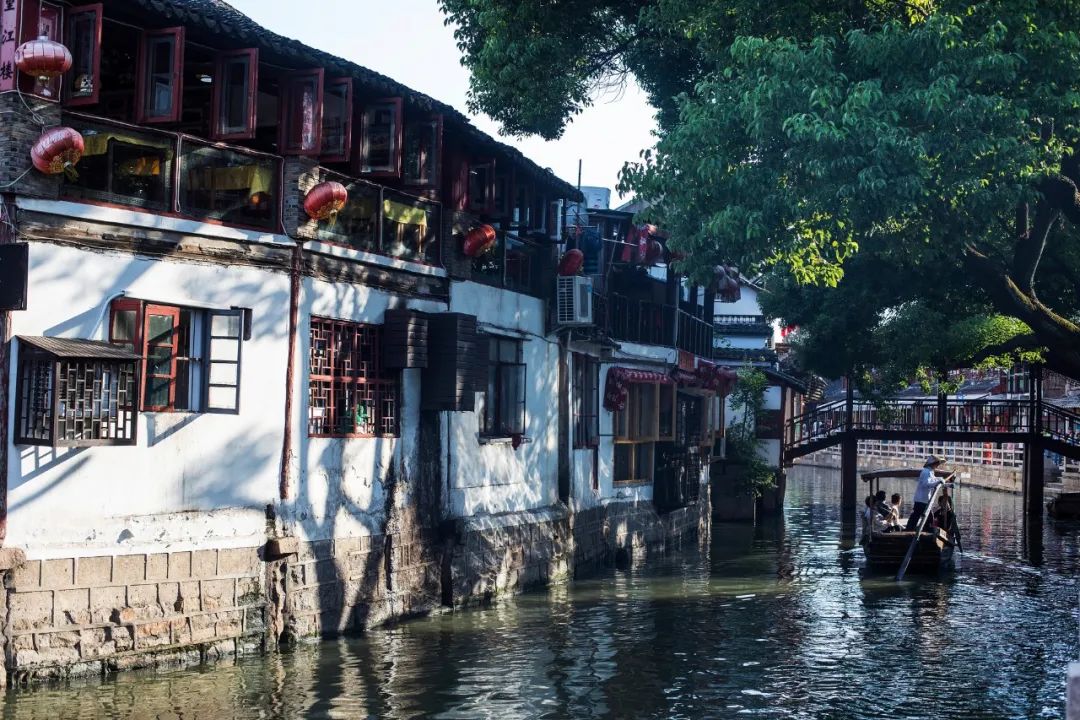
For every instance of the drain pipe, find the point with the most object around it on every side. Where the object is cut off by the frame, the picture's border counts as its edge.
(290, 368)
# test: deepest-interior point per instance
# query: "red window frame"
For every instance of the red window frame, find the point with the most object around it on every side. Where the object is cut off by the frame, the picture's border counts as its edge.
(50, 24)
(160, 311)
(488, 205)
(95, 63)
(347, 121)
(218, 131)
(437, 121)
(399, 132)
(177, 72)
(291, 112)
(342, 370)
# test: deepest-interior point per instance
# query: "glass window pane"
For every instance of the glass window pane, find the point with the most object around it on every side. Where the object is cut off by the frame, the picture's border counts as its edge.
(357, 223)
(224, 374)
(224, 349)
(83, 41)
(159, 76)
(302, 128)
(508, 351)
(230, 186)
(123, 166)
(157, 391)
(493, 350)
(335, 118)
(221, 398)
(225, 325)
(235, 95)
(380, 138)
(160, 329)
(123, 325)
(421, 153)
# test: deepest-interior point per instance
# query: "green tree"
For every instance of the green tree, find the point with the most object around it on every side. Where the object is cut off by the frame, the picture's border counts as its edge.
(906, 171)
(747, 401)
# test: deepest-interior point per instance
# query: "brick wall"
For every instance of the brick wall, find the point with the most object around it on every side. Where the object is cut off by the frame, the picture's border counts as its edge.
(18, 132)
(91, 615)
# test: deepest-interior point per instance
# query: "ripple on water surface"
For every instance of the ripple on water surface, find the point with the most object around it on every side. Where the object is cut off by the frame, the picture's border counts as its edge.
(773, 621)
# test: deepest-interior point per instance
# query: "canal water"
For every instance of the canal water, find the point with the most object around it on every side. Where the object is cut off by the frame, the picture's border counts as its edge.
(777, 620)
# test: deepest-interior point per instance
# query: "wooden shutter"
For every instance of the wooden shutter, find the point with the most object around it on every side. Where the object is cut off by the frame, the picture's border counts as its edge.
(147, 111)
(301, 101)
(84, 40)
(225, 86)
(224, 343)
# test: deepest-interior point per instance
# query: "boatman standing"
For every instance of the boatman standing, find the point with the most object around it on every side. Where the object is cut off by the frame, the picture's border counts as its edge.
(927, 482)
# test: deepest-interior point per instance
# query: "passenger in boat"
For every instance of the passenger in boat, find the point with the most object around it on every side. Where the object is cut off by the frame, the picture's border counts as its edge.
(894, 519)
(927, 482)
(873, 522)
(943, 513)
(884, 511)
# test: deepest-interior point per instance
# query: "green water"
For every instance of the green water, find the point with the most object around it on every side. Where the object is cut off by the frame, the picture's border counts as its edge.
(773, 621)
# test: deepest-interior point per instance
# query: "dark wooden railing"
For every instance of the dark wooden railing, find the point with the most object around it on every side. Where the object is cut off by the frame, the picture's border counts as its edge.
(695, 335)
(650, 323)
(1007, 420)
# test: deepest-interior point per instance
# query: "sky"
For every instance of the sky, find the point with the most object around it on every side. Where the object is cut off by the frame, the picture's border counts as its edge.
(407, 41)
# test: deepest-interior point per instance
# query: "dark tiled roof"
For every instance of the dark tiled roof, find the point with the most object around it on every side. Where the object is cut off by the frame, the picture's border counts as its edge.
(71, 348)
(219, 19)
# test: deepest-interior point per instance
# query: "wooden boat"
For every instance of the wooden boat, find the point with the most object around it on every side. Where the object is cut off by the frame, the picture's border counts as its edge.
(926, 550)
(1065, 506)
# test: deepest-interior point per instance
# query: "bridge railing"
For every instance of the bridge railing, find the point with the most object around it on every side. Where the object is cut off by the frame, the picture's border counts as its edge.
(1060, 424)
(1005, 416)
(823, 421)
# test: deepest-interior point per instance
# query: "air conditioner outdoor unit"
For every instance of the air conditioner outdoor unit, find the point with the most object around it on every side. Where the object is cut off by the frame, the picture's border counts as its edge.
(573, 300)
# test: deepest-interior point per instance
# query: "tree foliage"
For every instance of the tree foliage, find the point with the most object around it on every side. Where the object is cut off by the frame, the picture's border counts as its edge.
(905, 171)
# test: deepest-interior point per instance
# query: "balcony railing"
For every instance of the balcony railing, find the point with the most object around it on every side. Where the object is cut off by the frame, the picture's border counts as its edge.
(174, 174)
(379, 220)
(722, 320)
(650, 323)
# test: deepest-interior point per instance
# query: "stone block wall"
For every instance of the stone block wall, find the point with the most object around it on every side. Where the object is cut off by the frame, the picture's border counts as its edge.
(93, 615)
(508, 554)
(350, 584)
(19, 130)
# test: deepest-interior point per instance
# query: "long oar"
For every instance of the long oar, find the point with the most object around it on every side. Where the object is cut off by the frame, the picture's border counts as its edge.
(918, 533)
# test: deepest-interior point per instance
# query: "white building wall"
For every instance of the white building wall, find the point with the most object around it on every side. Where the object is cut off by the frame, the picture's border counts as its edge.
(338, 486)
(193, 480)
(490, 477)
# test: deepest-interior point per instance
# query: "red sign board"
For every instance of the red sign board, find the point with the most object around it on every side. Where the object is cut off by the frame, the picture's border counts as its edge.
(9, 41)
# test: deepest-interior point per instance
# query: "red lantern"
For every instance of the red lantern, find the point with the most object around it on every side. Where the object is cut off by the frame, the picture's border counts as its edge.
(43, 59)
(571, 262)
(479, 240)
(325, 200)
(57, 151)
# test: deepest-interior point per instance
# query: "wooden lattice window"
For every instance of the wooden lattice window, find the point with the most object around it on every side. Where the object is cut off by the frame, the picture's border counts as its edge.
(75, 393)
(350, 394)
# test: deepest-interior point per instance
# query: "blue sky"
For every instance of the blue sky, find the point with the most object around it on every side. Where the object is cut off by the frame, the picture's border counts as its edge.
(406, 39)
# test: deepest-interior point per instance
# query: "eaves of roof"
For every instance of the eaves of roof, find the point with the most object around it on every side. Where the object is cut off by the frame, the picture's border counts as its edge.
(221, 19)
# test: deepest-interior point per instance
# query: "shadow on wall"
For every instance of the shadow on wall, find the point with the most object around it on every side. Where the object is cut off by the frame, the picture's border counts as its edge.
(210, 462)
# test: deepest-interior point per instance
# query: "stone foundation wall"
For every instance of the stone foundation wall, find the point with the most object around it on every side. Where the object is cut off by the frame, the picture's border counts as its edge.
(347, 585)
(93, 615)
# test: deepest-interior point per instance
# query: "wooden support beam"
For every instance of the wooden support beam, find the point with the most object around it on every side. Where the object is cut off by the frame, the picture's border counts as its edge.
(849, 474)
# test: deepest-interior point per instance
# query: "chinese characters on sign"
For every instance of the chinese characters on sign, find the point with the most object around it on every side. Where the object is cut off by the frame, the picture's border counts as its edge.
(9, 18)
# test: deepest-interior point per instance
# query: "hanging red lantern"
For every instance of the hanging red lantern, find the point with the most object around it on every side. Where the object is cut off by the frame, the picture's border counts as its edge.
(57, 151)
(325, 200)
(571, 262)
(479, 240)
(43, 59)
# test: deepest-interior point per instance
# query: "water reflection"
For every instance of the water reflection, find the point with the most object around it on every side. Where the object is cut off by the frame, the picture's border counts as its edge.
(778, 620)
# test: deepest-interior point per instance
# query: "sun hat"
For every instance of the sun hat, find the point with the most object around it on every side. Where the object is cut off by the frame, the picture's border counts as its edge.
(932, 460)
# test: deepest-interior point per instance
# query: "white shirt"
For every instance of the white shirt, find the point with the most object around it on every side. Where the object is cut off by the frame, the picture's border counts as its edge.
(927, 482)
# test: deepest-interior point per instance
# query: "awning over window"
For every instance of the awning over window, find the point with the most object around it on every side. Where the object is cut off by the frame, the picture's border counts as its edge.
(74, 348)
(709, 377)
(615, 388)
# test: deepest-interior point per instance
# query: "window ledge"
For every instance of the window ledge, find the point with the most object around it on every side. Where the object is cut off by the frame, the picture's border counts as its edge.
(340, 251)
(501, 439)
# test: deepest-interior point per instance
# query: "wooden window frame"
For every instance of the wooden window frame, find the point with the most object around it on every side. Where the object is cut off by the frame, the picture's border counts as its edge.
(152, 310)
(399, 132)
(436, 121)
(488, 206)
(217, 131)
(288, 111)
(636, 477)
(142, 76)
(140, 341)
(242, 316)
(95, 62)
(380, 376)
(496, 426)
(586, 425)
(347, 124)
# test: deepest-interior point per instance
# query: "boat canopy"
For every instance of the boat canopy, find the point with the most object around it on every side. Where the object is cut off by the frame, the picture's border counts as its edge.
(899, 473)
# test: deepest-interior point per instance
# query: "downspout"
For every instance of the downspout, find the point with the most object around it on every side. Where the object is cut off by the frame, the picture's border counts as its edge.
(290, 369)
(7, 235)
